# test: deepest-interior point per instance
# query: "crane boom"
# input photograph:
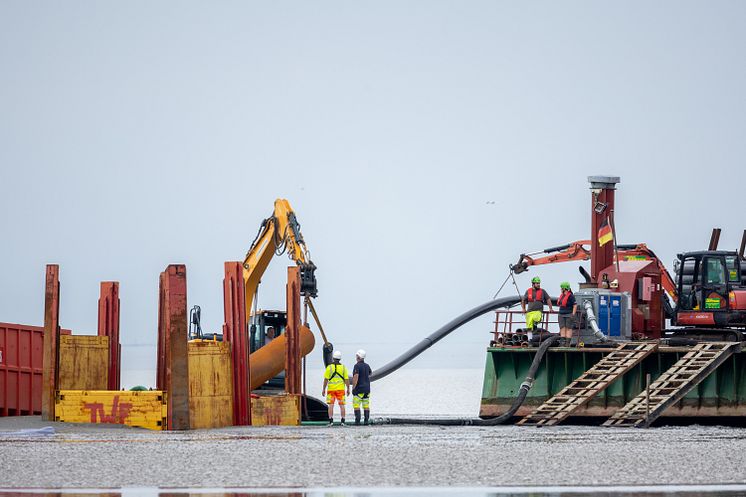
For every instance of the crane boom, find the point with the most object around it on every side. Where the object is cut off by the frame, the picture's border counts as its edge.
(278, 233)
(580, 251)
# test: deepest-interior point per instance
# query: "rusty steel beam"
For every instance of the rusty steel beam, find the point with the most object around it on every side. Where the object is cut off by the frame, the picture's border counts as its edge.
(602, 207)
(108, 326)
(292, 332)
(173, 363)
(51, 359)
(235, 332)
(743, 245)
(160, 375)
(714, 239)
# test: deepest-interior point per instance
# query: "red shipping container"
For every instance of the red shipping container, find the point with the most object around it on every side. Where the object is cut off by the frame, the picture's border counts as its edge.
(21, 366)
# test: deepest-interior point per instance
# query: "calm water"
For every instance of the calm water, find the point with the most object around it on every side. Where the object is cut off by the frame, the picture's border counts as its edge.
(405, 392)
(408, 391)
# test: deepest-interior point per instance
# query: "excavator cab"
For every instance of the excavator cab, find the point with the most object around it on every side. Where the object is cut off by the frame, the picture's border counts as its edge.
(708, 284)
(267, 326)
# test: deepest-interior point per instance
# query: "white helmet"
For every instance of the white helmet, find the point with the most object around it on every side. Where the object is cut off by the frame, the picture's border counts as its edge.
(360, 353)
(337, 354)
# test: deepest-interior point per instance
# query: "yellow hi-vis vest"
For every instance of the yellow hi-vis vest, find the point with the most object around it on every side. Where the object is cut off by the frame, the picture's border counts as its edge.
(336, 374)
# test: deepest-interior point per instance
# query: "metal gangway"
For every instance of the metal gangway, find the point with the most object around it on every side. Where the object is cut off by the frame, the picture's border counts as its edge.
(671, 386)
(578, 393)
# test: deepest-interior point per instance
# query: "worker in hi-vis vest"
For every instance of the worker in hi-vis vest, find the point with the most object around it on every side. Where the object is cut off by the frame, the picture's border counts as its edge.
(337, 379)
(533, 302)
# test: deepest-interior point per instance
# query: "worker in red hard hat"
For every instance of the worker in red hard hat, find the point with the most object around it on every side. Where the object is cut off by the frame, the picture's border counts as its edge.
(533, 302)
(337, 379)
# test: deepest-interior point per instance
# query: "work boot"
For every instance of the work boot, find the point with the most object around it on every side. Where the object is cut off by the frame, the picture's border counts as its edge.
(367, 417)
(357, 417)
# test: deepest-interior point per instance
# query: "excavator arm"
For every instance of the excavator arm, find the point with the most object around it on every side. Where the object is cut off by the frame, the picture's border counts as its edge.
(574, 251)
(278, 233)
(580, 251)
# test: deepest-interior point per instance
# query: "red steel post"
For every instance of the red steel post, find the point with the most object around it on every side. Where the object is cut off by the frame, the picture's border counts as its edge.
(51, 361)
(108, 325)
(235, 332)
(602, 206)
(292, 332)
(161, 376)
(173, 363)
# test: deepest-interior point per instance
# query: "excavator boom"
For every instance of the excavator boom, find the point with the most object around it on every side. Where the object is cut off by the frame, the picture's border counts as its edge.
(278, 233)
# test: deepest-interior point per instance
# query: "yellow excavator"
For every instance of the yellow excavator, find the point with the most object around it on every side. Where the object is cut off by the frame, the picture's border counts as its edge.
(280, 233)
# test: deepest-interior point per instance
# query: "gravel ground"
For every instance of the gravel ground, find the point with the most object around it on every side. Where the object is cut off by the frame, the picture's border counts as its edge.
(113, 456)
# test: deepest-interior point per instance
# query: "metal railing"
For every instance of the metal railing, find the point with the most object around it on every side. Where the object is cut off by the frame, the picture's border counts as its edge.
(510, 326)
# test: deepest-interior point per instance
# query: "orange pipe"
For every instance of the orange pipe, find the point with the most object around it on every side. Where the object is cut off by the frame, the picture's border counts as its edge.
(268, 361)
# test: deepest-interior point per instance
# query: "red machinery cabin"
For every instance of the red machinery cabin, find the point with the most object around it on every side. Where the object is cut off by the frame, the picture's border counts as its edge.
(642, 279)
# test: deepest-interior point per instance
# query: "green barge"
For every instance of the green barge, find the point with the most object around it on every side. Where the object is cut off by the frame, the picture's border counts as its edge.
(721, 394)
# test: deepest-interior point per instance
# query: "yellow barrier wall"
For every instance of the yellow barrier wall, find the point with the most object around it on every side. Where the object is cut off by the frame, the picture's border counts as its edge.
(275, 410)
(84, 362)
(140, 409)
(210, 385)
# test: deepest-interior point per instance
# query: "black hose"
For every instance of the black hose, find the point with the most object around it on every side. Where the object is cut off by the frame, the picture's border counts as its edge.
(440, 333)
(525, 387)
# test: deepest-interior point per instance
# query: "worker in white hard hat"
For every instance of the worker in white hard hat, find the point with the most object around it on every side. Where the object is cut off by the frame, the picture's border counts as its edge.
(361, 387)
(337, 379)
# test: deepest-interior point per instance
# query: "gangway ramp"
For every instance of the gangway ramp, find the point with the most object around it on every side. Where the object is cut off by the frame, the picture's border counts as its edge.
(589, 384)
(673, 384)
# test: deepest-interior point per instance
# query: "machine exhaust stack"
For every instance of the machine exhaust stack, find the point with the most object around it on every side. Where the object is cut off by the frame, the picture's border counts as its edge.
(602, 205)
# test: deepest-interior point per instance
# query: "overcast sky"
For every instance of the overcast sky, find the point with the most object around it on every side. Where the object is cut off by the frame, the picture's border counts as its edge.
(424, 145)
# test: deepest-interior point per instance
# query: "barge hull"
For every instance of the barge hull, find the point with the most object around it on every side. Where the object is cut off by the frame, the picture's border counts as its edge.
(721, 394)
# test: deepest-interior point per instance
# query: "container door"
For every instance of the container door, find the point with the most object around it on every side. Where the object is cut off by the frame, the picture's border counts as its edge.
(714, 285)
(615, 316)
(604, 318)
(689, 284)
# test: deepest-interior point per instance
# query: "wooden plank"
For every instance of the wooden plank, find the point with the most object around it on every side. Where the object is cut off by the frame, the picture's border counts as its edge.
(210, 385)
(275, 410)
(84, 362)
(138, 409)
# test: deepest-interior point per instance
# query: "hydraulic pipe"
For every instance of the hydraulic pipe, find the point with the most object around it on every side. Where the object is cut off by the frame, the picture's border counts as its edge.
(440, 333)
(593, 321)
(269, 361)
